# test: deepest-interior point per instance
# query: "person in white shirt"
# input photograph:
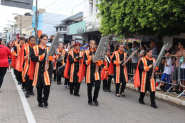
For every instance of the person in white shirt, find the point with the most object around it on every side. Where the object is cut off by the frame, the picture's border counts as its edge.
(167, 69)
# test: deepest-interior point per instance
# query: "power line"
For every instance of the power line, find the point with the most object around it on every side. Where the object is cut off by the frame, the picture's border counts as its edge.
(65, 10)
(51, 4)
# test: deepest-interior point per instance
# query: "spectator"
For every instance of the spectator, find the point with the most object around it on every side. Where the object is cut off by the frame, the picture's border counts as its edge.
(142, 51)
(159, 46)
(155, 50)
(159, 74)
(134, 57)
(128, 48)
(4, 53)
(72, 42)
(182, 72)
(175, 73)
(167, 69)
(111, 47)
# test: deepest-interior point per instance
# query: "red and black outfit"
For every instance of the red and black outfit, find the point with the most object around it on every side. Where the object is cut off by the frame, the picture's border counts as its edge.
(91, 71)
(66, 79)
(104, 75)
(73, 66)
(4, 53)
(17, 72)
(42, 74)
(143, 80)
(24, 66)
(59, 64)
(120, 72)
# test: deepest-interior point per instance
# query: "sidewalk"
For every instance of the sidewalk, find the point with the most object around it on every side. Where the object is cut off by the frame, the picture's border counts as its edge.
(11, 108)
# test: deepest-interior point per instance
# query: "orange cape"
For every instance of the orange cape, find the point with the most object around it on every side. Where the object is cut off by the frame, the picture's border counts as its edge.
(137, 76)
(81, 72)
(66, 70)
(20, 59)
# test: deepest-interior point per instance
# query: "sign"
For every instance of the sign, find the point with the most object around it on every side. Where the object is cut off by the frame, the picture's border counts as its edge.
(77, 28)
(25, 4)
(33, 17)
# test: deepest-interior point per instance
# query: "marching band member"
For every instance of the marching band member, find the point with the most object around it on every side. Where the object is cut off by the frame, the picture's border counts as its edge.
(91, 70)
(74, 61)
(70, 49)
(120, 71)
(43, 70)
(24, 65)
(104, 73)
(143, 78)
(16, 53)
(61, 55)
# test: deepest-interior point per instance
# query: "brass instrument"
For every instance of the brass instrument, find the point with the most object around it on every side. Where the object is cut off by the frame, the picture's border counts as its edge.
(159, 58)
(53, 48)
(102, 47)
(129, 57)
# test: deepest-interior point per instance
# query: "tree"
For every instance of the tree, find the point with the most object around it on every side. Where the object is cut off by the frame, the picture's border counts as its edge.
(146, 17)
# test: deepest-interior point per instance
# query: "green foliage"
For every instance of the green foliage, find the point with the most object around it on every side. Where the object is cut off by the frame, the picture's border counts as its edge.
(146, 17)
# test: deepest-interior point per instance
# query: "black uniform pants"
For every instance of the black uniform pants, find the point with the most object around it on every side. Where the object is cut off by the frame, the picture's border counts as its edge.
(59, 77)
(55, 75)
(122, 88)
(2, 74)
(74, 87)
(46, 90)
(67, 82)
(107, 83)
(152, 97)
(28, 85)
(96, 90)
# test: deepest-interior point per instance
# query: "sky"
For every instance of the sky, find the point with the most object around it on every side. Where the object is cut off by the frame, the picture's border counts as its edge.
(64, 7)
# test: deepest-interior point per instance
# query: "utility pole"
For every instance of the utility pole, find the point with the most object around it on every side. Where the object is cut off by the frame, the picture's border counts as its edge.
(36, 20)
(21, 26)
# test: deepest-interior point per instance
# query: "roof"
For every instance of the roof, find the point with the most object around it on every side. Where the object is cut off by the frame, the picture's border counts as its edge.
(80, 14)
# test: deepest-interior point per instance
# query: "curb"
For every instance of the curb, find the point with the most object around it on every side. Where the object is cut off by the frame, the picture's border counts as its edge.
(161, 96)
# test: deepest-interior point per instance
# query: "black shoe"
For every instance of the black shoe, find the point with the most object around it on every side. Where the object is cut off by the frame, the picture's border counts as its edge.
(109, 90)
(45, 104)
(104, 90)
(40, 105)
(122, 94)
(32, 93)
(117, 95)
(54, 79)
(153, 106)
(96, 103)
(90, 103)
(178, 92)
(142, 102)
(27, 95)
(19, 83)
(71, 93)
(77, 95)
(58, 83)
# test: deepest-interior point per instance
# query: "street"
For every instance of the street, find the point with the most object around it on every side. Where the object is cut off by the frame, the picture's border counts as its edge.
(67, 108)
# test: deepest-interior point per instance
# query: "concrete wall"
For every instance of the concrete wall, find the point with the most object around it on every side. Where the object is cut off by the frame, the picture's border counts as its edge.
(89, 16)
(169, 40)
